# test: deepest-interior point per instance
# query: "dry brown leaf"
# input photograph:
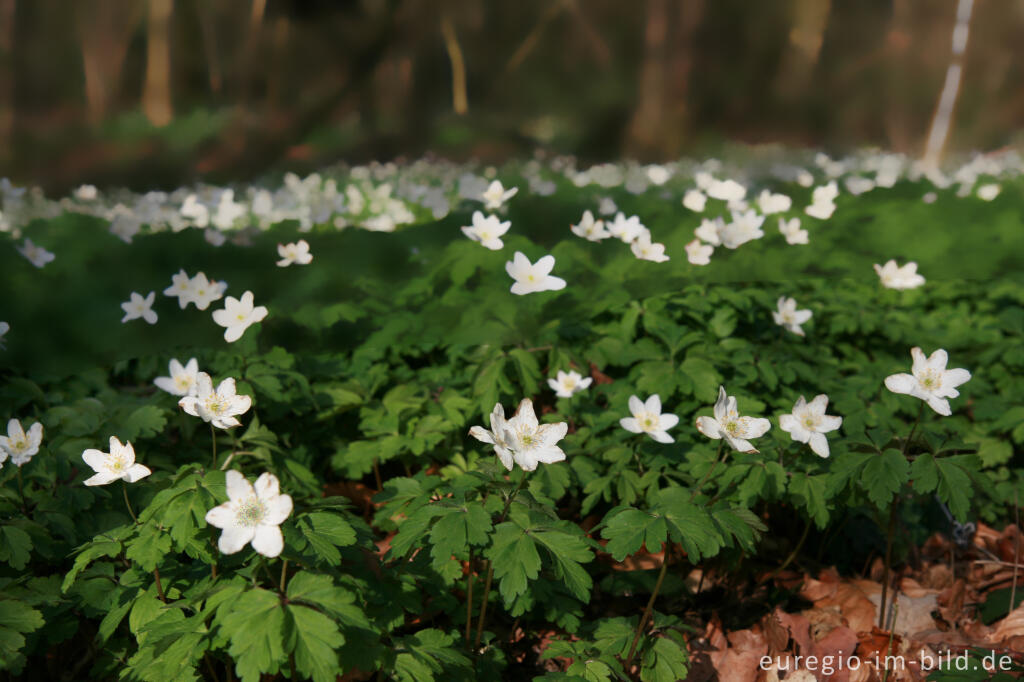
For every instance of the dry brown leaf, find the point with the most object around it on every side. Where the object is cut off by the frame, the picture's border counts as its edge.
(839, 643)
(1011, 626)
(823, 621)
(740, 662)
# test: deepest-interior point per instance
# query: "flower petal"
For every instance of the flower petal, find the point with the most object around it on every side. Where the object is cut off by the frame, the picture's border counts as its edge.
(238, 487)
(661, 437)
(268, 540)
(709, 427)
(819, 444)
(101, 478)
(136, 472)
(277, 509)
(653, 404)
(267, 486)
(901, 383)
(668, 421)
(233, 538)
(636, 406)
(221, 516)
(630, 424)
(95, 459)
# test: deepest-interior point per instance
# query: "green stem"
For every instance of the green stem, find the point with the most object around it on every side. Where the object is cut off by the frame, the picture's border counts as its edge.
(469, 599)
(21, 493)
(213, 439)
(124, 489)
(718, 459)
(284, 576)
(650, 607)
(490, 566)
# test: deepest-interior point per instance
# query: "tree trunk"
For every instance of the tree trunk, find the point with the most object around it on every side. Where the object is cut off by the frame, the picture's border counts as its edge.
(156, 94)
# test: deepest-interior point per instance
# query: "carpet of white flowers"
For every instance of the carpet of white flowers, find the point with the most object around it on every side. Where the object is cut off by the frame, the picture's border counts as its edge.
(428, 421)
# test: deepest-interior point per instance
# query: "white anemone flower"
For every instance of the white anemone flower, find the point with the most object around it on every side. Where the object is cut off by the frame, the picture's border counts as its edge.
(695, 200)
(137, 306)
(496, 195)
(930, 380)
(726, 190)
(19, 445)
(821, 211)
(895, 277)
(626, 229)
(590, 229)
(745, 227)
(808, 423)
(181, 288)
(790, 229)
(204, 291)
(36, 255)
(648, 418)
(532, 277)
(773, 203)
(237, 315)
(182, 379)
(607, 206)
(522, 439)
(988, 192)
(253, 513)
(219, 407)
(4, 328)
(710, 231)
(294, 253)
(644, 249)
(567, 384)
(728, 424)
(488, 231)
(789, 317)
(118, 464)
(698, 253)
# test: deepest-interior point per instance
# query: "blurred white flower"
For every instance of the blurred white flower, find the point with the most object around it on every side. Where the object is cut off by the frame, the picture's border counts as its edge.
(896, 277)
(251, 514)
(625, 229)
(137, 306)
(488, 231)
(530, 278)
(744, 227)
(195, 211)
(857, 185)
(118, 464)
(695, 200)
(36, 255)
(214, 236)
(606, 206)
(789, 317)
(182, 379)
(658, 175)
(567, 384)
(220, 406)
(790, 229)
(773, 203)
(726, 190)
(237, 315)
(710, 231)
(181, 288)
(728, 424)
(203, 291)
(85, 193)
(4, 328)
(496, 195)
(988, 192)
(644, 249)
(929, 380)
(19, 445)
(648, 418)
(698, 253)
(522, 439)
(294, 253)
(590, 229)
(808, 423)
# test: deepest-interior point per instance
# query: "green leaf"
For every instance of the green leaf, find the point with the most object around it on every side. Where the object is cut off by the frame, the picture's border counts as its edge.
(515, 559)
(569, 550)
(149, 547)
(954, 486)
(320, 591)
(313, 637)
(528, 368)
(809, 492)
(89, 553)
(325, 531)
(255, 625)
(16, 619)
(884, 475)
(630, 529)
(704, 377)
(689, 524)
(664, 661)
(15, 546)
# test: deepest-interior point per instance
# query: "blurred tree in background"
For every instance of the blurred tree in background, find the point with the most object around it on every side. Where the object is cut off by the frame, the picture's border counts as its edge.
(159, 92)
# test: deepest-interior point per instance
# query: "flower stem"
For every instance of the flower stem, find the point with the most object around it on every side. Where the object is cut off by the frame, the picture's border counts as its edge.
(21, 493)
(159, 587)
(490, 566)
(650, 607)
(284, 576)
(124, 489)
(469, 599)
(213, 440)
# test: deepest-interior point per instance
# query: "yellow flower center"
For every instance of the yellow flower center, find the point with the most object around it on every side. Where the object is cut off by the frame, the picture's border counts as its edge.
(250, 512)
(930, 379)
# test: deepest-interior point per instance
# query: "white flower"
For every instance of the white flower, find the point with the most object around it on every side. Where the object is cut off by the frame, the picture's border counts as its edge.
(495, 195)
(728, 424)
(214, 236)
(606, 206)
(745, 227)
(658, 175)
(125, 226)
(195, 211)
(896, 277)
(644, 249)
(648, 418)
(85, 193)
(530, 278)
(251, 514)
(988, 192)
(567, 384)
(4, 328)
(137, 306)
(858, 185)
(296, 252)
(804, 178)
(822, 211)
(825, 194)
(773, 203)
(790, 229)
(930, 380)
(17, 444)
(929, 197)
(217, 407)
(726, 190)
(118, 464)
(237, 315)
(789, 317)
(181, 288)
(36, 255)
(695, 200)
(626, 229)
(182, 380)
(203, 291)
(487, 231)
(808, 423)
(590, 229)
(710, 231)
(522, 439)
(699, 254)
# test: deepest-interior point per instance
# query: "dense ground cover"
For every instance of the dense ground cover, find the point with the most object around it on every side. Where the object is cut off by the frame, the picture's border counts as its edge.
(407, 547)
